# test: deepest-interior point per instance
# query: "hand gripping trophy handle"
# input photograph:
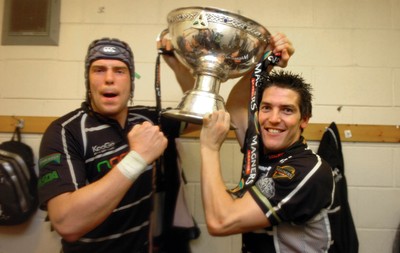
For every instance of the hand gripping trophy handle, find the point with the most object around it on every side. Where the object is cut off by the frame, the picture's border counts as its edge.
(216, 45)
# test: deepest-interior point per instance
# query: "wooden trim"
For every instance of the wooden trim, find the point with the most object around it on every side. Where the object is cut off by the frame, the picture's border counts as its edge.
(314, 131)
(31, 124)
(348, 133)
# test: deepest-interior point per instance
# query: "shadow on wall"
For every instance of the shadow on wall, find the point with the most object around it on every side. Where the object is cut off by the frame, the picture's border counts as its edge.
(396, 243)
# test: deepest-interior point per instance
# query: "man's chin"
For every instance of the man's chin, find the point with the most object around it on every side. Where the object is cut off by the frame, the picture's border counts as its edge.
(108, 111)
(272, 145)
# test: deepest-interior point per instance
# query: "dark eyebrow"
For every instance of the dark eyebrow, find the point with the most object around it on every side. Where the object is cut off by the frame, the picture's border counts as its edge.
(289, 105)
(120, 67)
(281, 106)
(104, 66)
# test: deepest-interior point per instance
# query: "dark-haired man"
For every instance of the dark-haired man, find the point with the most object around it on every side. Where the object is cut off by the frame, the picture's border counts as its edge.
(285, 194)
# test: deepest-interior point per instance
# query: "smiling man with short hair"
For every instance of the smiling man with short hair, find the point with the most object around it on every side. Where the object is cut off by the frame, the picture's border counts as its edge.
(284, 196)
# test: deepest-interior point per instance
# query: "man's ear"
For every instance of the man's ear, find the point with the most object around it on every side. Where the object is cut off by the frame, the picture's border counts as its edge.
(304, 122)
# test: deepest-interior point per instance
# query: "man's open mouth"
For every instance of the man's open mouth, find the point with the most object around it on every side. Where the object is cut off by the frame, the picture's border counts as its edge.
(110, 95)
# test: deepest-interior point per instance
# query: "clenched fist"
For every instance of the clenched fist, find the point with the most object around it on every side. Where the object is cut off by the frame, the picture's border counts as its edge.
(148, 141)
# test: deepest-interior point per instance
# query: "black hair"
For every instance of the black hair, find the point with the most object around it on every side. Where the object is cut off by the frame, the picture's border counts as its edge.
(289, 80)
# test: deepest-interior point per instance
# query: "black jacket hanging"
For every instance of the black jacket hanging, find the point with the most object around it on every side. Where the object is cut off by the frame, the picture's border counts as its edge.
(344, 234)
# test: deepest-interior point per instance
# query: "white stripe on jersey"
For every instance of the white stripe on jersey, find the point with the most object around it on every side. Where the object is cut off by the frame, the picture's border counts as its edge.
(65, 147)
(134, 229)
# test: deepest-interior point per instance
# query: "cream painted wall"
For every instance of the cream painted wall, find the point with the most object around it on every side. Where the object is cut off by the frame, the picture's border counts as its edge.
(347, 49)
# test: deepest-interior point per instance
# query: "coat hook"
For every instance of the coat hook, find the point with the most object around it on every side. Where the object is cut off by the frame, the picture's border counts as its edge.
(21, 122)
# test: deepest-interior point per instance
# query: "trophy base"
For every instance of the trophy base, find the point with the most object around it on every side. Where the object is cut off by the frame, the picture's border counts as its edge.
(188, 117)
(184, 116)
(194, 105)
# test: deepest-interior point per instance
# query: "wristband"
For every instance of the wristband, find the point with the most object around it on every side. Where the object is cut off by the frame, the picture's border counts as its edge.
(132, 165)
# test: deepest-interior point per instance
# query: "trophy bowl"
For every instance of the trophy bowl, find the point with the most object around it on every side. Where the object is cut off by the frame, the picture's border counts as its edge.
(216, 45)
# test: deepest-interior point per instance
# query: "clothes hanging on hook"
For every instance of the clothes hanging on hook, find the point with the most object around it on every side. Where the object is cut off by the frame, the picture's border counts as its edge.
(343, 230)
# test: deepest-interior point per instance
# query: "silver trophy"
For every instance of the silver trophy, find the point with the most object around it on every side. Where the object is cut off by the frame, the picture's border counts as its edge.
(216, 45)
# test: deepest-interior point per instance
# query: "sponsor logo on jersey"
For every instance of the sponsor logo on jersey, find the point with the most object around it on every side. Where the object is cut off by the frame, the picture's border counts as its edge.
(266, 185)
(103, 148)
(106, 165)
(52, 158)
(284, 172)
(273, 156)
(47, 178)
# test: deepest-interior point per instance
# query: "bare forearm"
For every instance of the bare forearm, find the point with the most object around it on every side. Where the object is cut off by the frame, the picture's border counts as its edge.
(218, 203)
(76, 213)
(225, 215)
(237, 106)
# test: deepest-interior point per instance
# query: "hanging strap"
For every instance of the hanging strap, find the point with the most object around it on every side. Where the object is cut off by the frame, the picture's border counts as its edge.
(157, 165)
(253, 139)
(16, 134)
(157, 88)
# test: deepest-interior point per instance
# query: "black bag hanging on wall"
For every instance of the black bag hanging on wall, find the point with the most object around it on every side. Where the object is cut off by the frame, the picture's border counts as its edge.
(18, 181)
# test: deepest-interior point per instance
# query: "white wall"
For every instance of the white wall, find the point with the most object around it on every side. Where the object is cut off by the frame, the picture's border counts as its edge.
(347, 49)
